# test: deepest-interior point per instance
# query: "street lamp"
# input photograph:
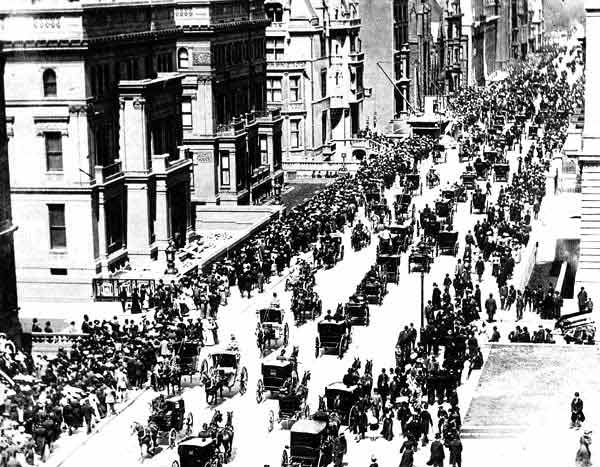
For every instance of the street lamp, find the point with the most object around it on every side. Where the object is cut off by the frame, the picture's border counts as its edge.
(170, 255)
(277, 190)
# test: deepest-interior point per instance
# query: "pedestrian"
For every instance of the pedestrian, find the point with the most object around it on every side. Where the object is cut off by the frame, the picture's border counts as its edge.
(479, 268)
(383, 387)
(373, 462)
(577, 416)
(455, 448)
(123, 298)
(35, 327)
(426, 422)
(490, 308)
(495, 335)
(520, 305)
(437, 454)
(407, 459)
(582, 299)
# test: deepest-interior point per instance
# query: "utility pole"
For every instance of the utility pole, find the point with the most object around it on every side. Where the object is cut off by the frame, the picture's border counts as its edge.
(408, 104)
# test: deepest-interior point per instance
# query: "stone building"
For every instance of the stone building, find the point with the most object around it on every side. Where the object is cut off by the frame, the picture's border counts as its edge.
(9, 322)
(537, 25)
(315, 79)
(95, 133)
(234, 141)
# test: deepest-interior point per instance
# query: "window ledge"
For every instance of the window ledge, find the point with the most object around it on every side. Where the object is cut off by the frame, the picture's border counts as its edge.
(58, 251)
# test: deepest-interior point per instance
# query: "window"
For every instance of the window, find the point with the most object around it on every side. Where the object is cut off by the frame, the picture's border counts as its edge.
(49, 78)
(274, 90)
(113, 209)
(295, 133)
(183, 59)
(324, 82)
(323, 44)
(54, 157)
(264, 150)
(294, 88)
(275, 49)
(324, 126)
(186, 112)
(58, 230)
(163, 137)
(225, 178)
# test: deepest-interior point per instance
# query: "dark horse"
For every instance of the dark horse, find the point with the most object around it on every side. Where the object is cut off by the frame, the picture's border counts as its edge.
(213, 387)
(147, 437)
(224, 435)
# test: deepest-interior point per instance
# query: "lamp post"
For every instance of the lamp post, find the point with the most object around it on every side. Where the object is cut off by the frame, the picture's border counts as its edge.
(277, 190)
(170, 255)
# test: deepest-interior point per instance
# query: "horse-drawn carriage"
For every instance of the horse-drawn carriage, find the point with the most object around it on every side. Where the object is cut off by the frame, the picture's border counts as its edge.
(469, 180)
(357, 310)
(292, 403)
(333, 249)
(402, 206)
(342, 399)
(361, 237)
(302, 276)
(166, 421)
(455, 193)
(275, 372)
(390, 266)
(430, 224)
(444, 211)
(501, 171)
(373, 290)
(413, 182)
(333, 335)
(271, 330)
(533, 132)
(306, 305)
(432, 178)
(479, 202)
(482, 169)
(439, 154)
(491, 156)
(199, 452)
(401, 235)
(310, 445)
(187, 353)
(421, 256)
(222, 369)
(373, 193)
(448, 243)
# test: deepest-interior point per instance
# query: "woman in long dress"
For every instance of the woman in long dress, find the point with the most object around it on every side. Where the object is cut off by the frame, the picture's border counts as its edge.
(583, 458)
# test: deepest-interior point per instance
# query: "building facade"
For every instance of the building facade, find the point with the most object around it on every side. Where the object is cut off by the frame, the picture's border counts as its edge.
(315, 79)
(234, 141)
(9, 322)
(537, 25)
(99, 178)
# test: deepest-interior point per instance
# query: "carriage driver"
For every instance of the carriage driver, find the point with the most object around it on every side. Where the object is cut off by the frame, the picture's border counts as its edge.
(233, 345)
(205, 433)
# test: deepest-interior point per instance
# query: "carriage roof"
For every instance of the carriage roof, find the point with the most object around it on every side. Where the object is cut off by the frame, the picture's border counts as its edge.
(224, 351)
(276, 362)
(197, 442)
(341, 387)
(446, 236)
(313, 427)
(266, 315)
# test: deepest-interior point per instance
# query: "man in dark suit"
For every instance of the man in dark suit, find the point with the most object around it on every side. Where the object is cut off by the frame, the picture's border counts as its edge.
(438, 455)
(383, 387)
(577, 411)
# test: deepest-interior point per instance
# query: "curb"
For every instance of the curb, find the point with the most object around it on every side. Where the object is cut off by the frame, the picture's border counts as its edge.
(96, 431)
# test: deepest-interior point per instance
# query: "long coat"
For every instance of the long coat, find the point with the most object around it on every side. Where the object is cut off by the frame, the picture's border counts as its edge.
(407, 458)
(437, 453)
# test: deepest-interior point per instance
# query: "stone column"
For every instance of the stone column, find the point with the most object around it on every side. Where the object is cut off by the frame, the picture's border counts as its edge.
(162, 224)
(138, 219)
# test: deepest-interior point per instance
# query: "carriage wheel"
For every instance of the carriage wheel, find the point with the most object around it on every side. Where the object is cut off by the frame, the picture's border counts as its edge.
(271, 421)
(341, 347)
(259, 391)
(45, 452)
(286, 335)
(204, 367)
(243, 380)
(317, 347)
(284, 459)
(172, 437)
(471, 208)
(189, 424)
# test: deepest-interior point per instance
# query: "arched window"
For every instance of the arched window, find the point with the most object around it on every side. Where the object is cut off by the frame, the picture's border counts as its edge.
(49, 78)
(183, 59)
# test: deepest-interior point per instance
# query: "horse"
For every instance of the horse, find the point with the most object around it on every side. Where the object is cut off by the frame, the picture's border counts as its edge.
(222, 435)
(584, 455)
(356, 364)
(147, 437)
(212, 386)
(173, 378)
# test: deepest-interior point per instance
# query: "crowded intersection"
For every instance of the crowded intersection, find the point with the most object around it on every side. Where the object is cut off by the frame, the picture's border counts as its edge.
(349, 331)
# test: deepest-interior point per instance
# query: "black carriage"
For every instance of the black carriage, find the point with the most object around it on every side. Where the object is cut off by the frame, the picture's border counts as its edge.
(402, 205)
(373, 194)
(306, 305)
(342, 399)
(333, 336)
(448, 243)
(469, 180)
(444, 211)
(482, 169)
(413, 182)
(491, 156)
(401, 236)
(309, 445)
(275, 372)
(357, 312)
(465, 154)
(439, 154)
(224, 368)
(168, 415)
(199, 452)
(479, 202)
(292, 407)
(501, 172)
(374, 291)
(431, 226)
(187, 352)
(422, 257)
(390, 267)
(533, 132)
(333, 249)
(271, 329)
